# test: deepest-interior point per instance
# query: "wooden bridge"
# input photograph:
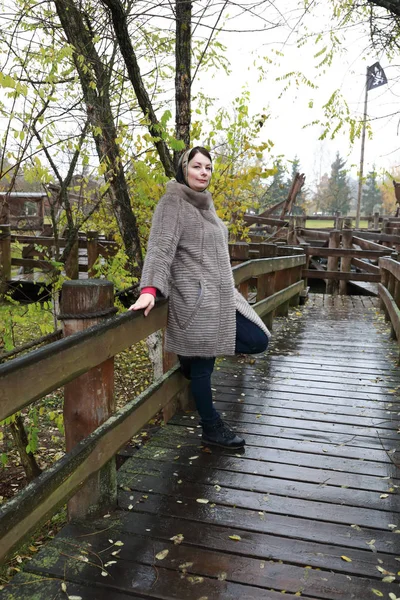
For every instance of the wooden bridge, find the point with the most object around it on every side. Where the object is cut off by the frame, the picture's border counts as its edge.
(309, 508)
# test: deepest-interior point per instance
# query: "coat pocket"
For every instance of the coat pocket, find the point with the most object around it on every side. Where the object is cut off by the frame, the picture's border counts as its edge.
(185, 300)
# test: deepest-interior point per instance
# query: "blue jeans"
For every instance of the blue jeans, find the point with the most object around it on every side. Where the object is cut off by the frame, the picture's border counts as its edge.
(250, 339)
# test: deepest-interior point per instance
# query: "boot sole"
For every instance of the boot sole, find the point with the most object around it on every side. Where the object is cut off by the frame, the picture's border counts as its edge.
(231, 447)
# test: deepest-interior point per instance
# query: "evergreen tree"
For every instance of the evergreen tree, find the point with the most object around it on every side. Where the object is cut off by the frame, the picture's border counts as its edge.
(371, 199)
(337, 196)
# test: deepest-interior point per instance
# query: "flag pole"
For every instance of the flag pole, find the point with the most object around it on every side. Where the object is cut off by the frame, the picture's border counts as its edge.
(360, 178)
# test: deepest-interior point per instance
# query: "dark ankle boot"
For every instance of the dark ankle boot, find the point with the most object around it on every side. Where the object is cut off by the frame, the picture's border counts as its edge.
(219, 434)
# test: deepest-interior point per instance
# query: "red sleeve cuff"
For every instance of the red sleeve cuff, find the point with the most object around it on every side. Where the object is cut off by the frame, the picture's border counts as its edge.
(149, 290)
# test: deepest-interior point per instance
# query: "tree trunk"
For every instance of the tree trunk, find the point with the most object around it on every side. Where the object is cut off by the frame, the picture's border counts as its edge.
(119, 18)
(92, 70)
(28, 460)
(183, 41)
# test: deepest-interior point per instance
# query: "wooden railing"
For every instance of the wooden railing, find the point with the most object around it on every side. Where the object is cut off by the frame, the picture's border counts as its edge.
(38, 251)
(87, 470)
(389, 293)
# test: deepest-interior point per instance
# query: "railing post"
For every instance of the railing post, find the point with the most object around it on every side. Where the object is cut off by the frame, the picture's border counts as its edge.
(386, 229)
(307, 265)
(332, 265)
(337, 219)
(72, 262)
(89, 399)
(295, 275)
(266, 282)
(391, 286)
(376, 220)
(92, 252)
(384, 282)
(239, 253)
(348, 223)
(5, 257)
(292, 238)
(282, 280)
(345, 262)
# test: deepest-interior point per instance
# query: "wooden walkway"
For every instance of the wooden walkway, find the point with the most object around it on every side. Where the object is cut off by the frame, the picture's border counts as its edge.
(310, 508)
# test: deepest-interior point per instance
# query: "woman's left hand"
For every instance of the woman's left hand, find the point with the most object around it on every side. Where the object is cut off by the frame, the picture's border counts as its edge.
(146, 302)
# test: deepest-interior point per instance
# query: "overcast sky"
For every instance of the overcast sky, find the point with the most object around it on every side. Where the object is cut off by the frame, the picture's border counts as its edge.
(291, 112)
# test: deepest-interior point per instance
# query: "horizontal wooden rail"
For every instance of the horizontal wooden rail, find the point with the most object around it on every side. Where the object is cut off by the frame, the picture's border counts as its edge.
(325, 252)
(361, 264)
(32, 263)
(271, 303)
(262, 266)
(50, 241)
(314, 234)
(391, 307)
(390, 265)
(254, 219)
(55, 486)
(382, 237)
(367, 245)
(341, 275)
(38, 373)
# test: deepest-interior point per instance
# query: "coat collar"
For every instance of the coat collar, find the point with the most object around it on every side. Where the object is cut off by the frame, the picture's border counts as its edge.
(201, 200)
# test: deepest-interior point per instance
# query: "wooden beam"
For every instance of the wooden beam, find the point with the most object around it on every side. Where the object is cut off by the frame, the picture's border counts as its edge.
(255, 219)
(367, 245)
(371, 254)
(273, 302)
(381, 237)
(361, 264)
(390, 265)
(41, 498)
(393, 311)
(254, 268)
(315, 234)
(43, 265)
(341, 276)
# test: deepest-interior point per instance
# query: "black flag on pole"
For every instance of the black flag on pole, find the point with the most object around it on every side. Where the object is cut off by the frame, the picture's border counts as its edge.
(375, 76)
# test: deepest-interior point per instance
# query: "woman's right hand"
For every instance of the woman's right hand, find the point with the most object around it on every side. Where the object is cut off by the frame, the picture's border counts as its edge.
(145, 301)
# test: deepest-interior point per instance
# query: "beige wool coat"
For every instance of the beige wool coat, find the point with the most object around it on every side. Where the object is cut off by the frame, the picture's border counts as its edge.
(187, 260)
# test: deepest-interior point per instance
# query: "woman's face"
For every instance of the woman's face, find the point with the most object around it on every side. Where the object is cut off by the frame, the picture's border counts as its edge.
(199, 172)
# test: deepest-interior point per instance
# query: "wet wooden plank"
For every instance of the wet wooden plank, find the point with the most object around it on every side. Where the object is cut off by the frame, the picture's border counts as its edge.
(266, 489)
(29, 586)
(190, 435)
(282, 407)
(143, 537)
(306, 455)
(137, 569)
(155, 457)
(270, 502)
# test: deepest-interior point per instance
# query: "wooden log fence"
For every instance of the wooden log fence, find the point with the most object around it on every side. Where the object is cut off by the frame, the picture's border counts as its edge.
(88, 355)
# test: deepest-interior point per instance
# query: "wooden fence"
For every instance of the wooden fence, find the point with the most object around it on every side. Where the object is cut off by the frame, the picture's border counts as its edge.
(86, 474)
(389, 293)
(350, 256)
(38, 253)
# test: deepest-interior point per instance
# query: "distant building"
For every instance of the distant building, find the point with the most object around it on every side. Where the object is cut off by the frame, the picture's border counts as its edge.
(22, 210)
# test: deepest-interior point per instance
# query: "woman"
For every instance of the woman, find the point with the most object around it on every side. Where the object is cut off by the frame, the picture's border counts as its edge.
(187, 261)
